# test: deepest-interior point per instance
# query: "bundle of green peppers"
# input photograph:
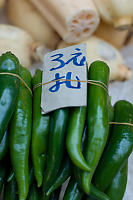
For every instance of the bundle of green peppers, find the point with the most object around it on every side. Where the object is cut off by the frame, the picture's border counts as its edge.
(76, 148)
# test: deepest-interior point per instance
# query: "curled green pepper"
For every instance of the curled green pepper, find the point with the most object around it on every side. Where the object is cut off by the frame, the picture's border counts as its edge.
(74, 137)
(94, 192)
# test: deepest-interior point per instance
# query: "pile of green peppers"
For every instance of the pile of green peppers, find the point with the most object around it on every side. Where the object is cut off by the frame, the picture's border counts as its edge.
(70, 153)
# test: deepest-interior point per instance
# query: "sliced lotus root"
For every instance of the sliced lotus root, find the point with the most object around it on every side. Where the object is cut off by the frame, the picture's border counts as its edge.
(74, 20)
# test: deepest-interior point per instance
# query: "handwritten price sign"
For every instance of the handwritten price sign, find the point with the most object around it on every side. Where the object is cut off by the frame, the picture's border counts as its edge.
(60, 67)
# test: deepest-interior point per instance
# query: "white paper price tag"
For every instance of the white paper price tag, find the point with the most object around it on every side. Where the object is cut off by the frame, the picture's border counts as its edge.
(62, 66)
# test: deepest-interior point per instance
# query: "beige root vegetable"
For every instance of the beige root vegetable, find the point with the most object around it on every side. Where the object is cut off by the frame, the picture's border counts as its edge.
(129, 38)
(38, 51)
(23, 14)
(116, 12)
(111, 35)
(74, 20)
(98, 49)
(2, 3)
(17, 41)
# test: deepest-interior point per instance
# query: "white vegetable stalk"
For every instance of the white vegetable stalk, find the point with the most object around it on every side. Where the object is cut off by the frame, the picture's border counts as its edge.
(98, 49)
(18, 41)
(108, 33)
(38, 51)
(116, 12)
(74, 20)
(129, 38)
(23, 14)
(2, 3)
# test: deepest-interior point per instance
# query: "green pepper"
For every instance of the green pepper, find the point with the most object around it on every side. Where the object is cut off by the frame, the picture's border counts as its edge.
(94, 192)
(98, 120)
(111, 111)
(73, 192)
(119, 147)
(34, 193)
(40, 131)
(2, 174)
(20, 135)
(55, 194)
(31, 175)
(89, 198)
(4, 145)
(76, 170)
(62, 176)
(12, 182)
(10, 190)
(117, 187)
(11, 176)
(9, 89)
(58, 122)
(74, 137)
(111, 116)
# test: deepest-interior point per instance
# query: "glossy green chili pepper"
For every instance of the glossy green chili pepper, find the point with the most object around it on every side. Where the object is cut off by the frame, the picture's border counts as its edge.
(117, 187)
(73, 192)
(76, 171)
(11, 176)
(4, 145)
(34, 193)
(31, 175)
(40, 131)
(74, 136)
(111, 116)
(62, 176)
(2, 174)
(89, 198)
(98, 120)
(119, 148)
(55, 194)
(111, 111)
(9, 88)
(94, 192)
(10, 190)
(20, 135)
(53, 197)
(56, 146)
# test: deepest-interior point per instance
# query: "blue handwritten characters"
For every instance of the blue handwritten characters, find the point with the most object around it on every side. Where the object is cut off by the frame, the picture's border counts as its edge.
(77, 60)
(59, 58)
(67, 82)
